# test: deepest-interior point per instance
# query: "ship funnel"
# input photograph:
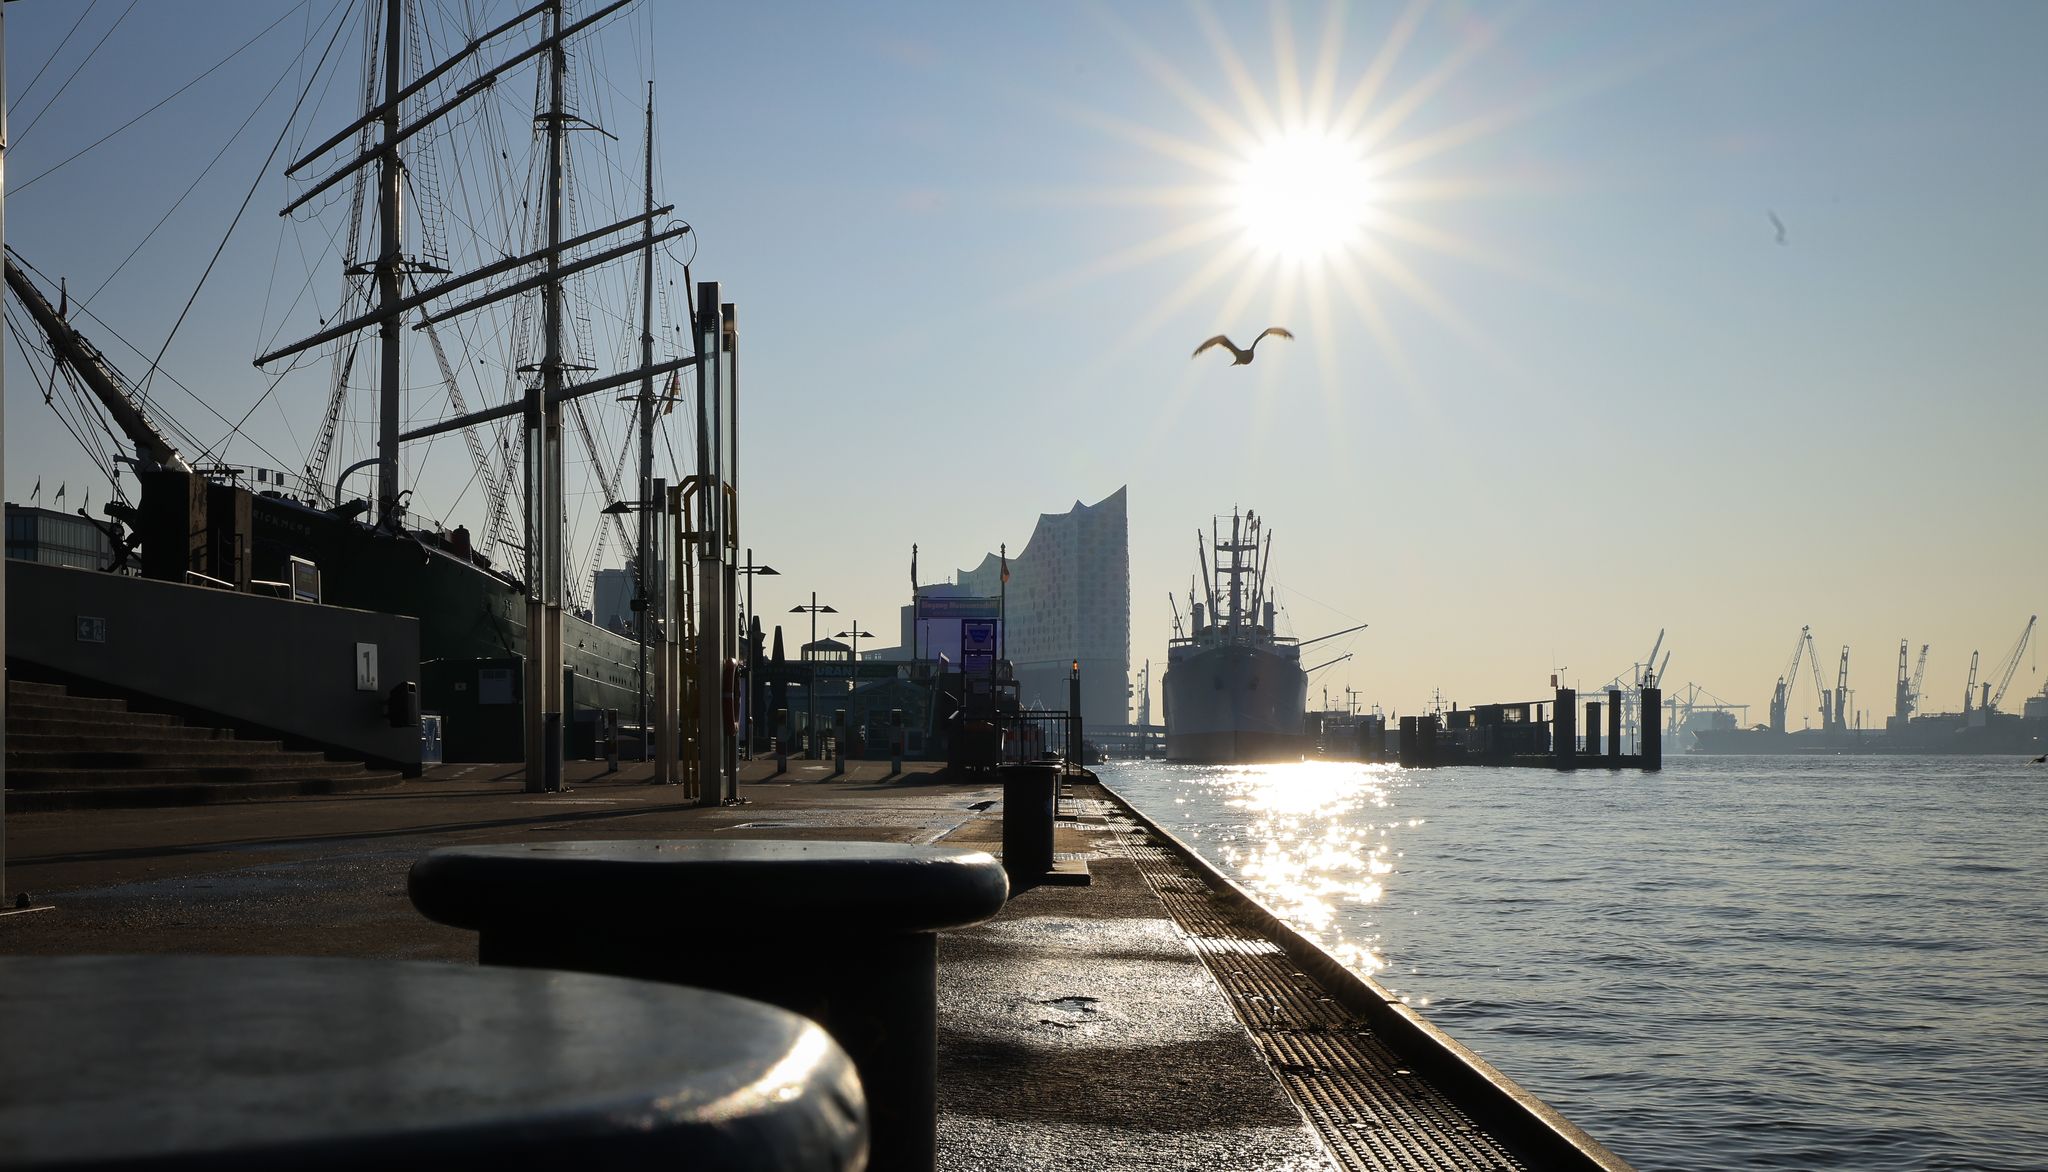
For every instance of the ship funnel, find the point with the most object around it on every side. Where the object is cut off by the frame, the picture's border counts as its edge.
(1269, 620)
(1198, 616)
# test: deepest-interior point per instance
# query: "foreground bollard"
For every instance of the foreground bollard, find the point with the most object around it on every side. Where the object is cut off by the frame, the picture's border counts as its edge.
(1029, 793)
(844, 933)
(256, 1063)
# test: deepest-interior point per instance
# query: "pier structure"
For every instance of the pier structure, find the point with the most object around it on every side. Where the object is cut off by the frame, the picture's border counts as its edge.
(1536, 733)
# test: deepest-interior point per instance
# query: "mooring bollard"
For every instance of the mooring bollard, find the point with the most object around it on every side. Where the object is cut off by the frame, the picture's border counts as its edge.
(844, 933)
(1029, 795)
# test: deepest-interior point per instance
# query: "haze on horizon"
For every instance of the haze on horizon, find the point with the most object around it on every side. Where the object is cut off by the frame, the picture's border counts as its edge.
(1721, 320)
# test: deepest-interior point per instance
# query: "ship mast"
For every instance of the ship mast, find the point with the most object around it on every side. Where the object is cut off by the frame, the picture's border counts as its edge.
(389, 179)
(641, 568)
(543, 418)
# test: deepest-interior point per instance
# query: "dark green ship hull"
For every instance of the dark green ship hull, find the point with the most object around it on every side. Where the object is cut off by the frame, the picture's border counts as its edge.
(467, 610)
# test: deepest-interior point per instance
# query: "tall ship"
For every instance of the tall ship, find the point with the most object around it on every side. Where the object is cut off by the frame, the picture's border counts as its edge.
(1234, 689)
(201, 520)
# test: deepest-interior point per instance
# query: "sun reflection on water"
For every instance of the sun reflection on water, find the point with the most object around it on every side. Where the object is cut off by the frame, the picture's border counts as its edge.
(1312, 846)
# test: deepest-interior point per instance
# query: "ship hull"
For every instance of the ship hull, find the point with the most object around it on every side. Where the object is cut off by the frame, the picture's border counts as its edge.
(2006, 737)
(466, 611)
(1235, 704)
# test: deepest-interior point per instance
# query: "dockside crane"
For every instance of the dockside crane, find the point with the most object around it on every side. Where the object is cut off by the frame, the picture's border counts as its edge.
(1919, 673)
(1837, 719)
(1970, 685)
(1782, 693)
(1827, 715)
(2009, 665)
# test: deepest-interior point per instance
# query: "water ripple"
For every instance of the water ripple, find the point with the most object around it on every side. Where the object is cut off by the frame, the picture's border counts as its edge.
(1764, 963)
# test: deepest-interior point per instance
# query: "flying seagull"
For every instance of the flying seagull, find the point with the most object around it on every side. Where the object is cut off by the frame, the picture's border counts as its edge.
(1244, 356)
(1778, 224)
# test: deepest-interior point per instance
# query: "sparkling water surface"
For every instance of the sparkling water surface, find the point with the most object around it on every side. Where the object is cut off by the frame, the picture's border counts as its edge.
(1737, 963)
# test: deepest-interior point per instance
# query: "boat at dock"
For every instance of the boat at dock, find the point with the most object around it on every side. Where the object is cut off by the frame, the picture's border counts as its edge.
(1234, 689)
(199, 520)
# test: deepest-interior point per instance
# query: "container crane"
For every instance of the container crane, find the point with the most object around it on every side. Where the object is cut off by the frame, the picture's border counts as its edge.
(2010, 664)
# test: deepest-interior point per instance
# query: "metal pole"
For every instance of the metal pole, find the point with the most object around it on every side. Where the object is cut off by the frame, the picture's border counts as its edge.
(811, 685)
(710, 548)
(3, 446)
(747, 619)
(728, 738)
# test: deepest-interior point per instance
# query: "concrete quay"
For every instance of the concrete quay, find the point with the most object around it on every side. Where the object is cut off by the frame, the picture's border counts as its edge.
(1143, 1020)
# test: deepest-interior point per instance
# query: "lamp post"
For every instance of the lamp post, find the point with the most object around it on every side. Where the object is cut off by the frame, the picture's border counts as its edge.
(747, 700)
(852, 667)
(811, 678)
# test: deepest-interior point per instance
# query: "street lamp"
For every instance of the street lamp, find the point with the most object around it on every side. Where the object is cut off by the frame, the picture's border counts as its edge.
(750, 570)
(853, 665)
(856, 635)
(811, 679)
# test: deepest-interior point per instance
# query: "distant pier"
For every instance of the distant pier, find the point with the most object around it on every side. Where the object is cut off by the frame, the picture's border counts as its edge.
(1536, 734)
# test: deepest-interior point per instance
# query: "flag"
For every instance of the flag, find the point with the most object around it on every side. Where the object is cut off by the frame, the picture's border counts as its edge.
(913, 569)
(60, 493)
(1006, 565)
(37, 495)
(88, 500)
(674, 391)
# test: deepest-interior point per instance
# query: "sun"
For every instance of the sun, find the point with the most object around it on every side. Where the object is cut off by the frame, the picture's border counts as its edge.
(1305, 195)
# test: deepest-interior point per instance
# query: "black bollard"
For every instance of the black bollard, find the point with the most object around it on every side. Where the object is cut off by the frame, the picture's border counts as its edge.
(1029, 794)
(843, 933)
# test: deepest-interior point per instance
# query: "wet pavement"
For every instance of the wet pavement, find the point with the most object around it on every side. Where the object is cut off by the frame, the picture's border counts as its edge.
(1078, 1028)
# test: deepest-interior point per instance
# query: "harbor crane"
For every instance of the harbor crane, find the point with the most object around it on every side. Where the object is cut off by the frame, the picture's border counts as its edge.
(1813, 658)
(1781, 695)
(1970, 685)
(1907, 698)
(2008, 665)
(1837, 718)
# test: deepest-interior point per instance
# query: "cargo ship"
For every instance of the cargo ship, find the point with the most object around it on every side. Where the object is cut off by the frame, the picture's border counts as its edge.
(1234, 690)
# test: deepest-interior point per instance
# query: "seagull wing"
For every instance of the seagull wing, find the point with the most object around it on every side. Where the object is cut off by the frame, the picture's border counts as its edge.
(1276, 330)
(1215, 341)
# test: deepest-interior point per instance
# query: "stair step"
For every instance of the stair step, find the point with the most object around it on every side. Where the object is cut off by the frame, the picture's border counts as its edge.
(190, 794)
(203, 754)
(22, 780)
(129, 724)
(27, 688)
(173, 740)
(61, 706)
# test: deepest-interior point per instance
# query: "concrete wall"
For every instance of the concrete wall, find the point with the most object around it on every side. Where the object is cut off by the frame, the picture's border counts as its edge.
(263, 663)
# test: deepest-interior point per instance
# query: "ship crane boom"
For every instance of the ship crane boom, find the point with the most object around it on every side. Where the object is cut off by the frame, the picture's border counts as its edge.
(2011, 663)
(1333, 634)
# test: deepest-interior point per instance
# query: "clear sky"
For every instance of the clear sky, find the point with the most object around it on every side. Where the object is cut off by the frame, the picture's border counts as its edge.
(1557, 381)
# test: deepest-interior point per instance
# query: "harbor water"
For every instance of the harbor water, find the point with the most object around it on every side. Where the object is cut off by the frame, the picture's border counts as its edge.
(1737, 963)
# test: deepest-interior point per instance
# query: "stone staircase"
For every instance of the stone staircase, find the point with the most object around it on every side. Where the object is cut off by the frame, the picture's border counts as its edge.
(68, 752)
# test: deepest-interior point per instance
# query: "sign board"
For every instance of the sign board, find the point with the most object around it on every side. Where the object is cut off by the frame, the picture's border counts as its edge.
(92, 629)
(978, 646)
(366, 667)
(959, 608)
